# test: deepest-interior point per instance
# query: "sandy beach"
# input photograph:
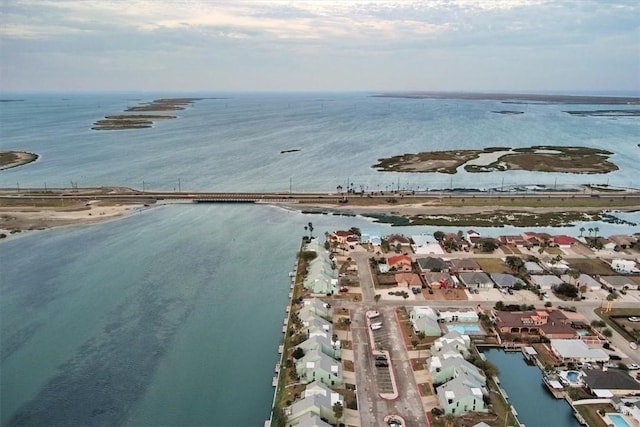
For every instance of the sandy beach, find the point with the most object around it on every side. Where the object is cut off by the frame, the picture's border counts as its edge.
(17, 219)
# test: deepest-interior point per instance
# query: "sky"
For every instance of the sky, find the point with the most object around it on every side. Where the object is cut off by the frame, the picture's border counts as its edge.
(320, 45)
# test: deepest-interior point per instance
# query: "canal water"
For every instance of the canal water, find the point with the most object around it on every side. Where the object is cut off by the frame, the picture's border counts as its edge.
(536, 407)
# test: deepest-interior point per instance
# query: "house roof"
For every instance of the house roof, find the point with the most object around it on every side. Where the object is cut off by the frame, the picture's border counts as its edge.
(546, 280)
(423, 239)
(430, 263)
(584, 279)
(320, 361)
(611, 379)
(476, 277)
(398, 259)
(564, 240)
(505, 280)
(617, 281)
(310, 404)
(437, 277)
(410, 279)
(397, 238)
(464, 264)
(577, 349)
(533, 266)
(311, 420)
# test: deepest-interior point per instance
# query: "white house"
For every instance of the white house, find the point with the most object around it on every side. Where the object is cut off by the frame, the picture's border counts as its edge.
(625, 266)
(577, 351)
(458, 315)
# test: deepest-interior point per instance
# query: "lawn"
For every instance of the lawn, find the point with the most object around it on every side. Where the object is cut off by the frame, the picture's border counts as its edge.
(493, 265)
(590, 266)
(590, 413)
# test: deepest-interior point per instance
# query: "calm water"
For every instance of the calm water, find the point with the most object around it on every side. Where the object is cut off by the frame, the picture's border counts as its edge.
(536, 407)
(173, 316)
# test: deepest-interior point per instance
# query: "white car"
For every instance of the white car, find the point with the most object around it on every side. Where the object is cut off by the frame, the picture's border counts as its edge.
(634, 319)
(376, 326)
(633, 367)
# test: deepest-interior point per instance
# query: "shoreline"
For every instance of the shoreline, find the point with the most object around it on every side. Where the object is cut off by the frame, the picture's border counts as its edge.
(14, 159)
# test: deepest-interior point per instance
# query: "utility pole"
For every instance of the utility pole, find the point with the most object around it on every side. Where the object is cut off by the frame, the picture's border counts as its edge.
(179, 187)
(290, 184)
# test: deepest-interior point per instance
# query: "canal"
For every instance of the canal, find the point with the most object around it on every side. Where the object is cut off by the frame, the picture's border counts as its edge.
(536, 407)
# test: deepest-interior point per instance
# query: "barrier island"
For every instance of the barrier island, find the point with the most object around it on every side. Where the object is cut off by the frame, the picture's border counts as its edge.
(541, 158)
(141, 121)
(12, 159)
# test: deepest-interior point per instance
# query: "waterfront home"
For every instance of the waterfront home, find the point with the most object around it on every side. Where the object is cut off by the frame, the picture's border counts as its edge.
(564, 241)
(317, 366)
(550, 323)
(426, 244)
(533, 268)
(505, 281)
(430, 264)
(318, 307)
(546, 282)
(623, 241)
(476, 280)
(394, 240)
(399, 263)
(425, 319)
(576, 351)
(309, 419)
(472, 236)
(438, 280)
(537, 239)
(452, 340)
(342, 236)
(512, 240)
(323, 343)
(314, 324)
(555, 266)
(466, 316)
(446, 369)
(372, 239)
(625, 266)
(317, 400)
(464, 264)
(452, 240)
(619, 282)
(617, 381)
(461, 395)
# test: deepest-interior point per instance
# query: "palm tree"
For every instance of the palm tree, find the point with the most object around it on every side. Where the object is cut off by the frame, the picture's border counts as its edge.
(581, 231)
(596, 230)
(310, 231)
(590, 231)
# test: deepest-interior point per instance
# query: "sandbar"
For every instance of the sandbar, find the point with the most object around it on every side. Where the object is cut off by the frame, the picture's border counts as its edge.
(13, 159)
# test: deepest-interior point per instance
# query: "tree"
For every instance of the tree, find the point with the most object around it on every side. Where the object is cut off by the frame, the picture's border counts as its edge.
(581, 231)
(548, 304)
(590, 231)
(310, 230)
(449, 420)
(438, 235)
(595, 231)
(414, 344)
(298, 353)
(338, 410)
(499, 306)
(356, 231)
(607, 332)
(377, 297)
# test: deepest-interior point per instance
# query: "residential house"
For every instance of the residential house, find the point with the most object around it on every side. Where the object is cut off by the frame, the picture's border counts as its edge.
(455, 240)
(318, 307)
(317, 400)
(546, 282)
(630, 407)
(409, 280)
(476, 280)
(462, 394)
(314, 324)
(577, 351)
(550, 323)
(323, 343)
(322, 277)
(461, 343)
(464, 264)
(432, 264)
(425, 319)
(622, 241)
(512, 240)
(438, 280)
(317, 366)
(309, 419)
(533, 268)
(341, 236)
(467, 316)
(372, 239)
(625, 266)
(472, 237)
(616, 381)
(583, 280)
(505, 281)
(397, 239)
(619, 282)
(447, 369)
(564, 241)
(426, 244)
(537, 239)
(399, 263)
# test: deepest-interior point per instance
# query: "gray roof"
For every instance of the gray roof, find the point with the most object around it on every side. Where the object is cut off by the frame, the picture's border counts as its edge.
(311, 420)
(505, 280)
(474, 278)
(546, 280)
(533, 266)
(307, 404)
(618, 281)
(611, 379)
(430, 263)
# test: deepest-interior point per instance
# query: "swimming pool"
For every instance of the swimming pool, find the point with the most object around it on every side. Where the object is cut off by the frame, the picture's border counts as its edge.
(471, 329)
(572, 376)
(617, 420)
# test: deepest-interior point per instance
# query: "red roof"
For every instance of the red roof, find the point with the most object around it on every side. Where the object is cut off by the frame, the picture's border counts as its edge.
(564, 240)
(399, 259)
(342, 233)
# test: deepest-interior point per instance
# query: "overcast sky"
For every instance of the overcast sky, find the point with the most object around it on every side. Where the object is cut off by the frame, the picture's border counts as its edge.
(469, 45)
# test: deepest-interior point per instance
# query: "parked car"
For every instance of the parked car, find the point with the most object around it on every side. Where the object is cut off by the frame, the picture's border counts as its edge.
(633, 367)
(634, 319)
(615, 357)
(415, 291)
(382, 364)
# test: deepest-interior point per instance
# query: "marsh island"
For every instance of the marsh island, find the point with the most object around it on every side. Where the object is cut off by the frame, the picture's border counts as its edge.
(536, 159)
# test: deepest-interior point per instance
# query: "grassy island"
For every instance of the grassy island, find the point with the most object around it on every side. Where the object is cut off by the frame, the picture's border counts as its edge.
(536, 159)
(12, 159)
(142, 121)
